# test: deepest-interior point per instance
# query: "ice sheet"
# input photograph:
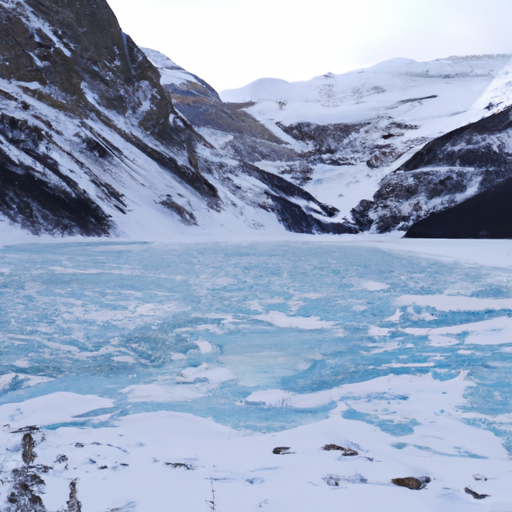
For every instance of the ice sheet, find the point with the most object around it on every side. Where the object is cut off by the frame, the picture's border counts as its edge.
(211, 355)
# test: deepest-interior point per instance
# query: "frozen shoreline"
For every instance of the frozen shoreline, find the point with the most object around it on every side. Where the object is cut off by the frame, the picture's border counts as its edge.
(487, 252)
(149, 461)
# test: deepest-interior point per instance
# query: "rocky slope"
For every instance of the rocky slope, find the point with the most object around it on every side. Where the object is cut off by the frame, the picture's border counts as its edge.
(101, 138)
(91, 144)
(227, 125)
(485, 215)
(461, 164)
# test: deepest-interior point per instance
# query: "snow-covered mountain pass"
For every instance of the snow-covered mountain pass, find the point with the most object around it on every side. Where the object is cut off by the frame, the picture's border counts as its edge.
(91, 144)
(351, 130)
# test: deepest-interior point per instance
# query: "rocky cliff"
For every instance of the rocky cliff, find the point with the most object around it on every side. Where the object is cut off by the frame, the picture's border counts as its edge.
(461, 164)
(91, 144)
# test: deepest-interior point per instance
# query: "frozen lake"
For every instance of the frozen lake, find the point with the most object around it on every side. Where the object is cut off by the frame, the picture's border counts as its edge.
(260, 337)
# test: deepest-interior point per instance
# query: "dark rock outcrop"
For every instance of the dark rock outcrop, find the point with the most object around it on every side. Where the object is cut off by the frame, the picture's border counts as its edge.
(411, 482)
(31, 201)
(344, 144)
(347, 452)
(296, 208)
(282, 450)
(74, 505)
(447, 171)
(76, 49)
(202, 107)
(27, 445)
(475, 495)
(486, 215)
(27, 485)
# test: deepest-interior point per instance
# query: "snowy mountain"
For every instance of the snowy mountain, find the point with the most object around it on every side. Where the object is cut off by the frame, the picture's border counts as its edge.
(474, 161)
(227, 125)
(463, 163)
(101, 138)
(91, 144)
(358, 132)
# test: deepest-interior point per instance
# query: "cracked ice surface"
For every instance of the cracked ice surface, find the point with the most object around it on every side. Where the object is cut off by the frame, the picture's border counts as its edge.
(211, 355)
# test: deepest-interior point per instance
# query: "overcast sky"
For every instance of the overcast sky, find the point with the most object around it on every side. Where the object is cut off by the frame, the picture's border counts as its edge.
(230, 43)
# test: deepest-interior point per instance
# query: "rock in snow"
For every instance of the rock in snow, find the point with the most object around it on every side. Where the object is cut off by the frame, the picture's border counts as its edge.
(475, 495)
(347, 452)
(412, 482)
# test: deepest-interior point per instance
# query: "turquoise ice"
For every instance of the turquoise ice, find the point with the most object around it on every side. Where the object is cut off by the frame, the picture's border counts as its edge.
(213, 323)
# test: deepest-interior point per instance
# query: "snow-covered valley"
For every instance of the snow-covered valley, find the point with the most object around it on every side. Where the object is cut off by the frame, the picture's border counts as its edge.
(356, 141)
(99, 137)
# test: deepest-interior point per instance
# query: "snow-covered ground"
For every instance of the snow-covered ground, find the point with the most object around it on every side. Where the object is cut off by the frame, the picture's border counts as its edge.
(157, 371)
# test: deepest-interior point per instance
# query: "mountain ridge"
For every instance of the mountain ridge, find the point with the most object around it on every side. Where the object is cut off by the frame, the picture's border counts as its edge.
(100, 148)
(101, 138)
(392, 113)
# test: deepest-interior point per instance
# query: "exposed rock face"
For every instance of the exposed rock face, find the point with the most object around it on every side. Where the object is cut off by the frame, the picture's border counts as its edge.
(346, 452)
(90, 142)
(77, 50)
(486, 215)
(450, 169)
(71, 69)
(246, 138)
(30, 200)
(344, 144)
(285, 198)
